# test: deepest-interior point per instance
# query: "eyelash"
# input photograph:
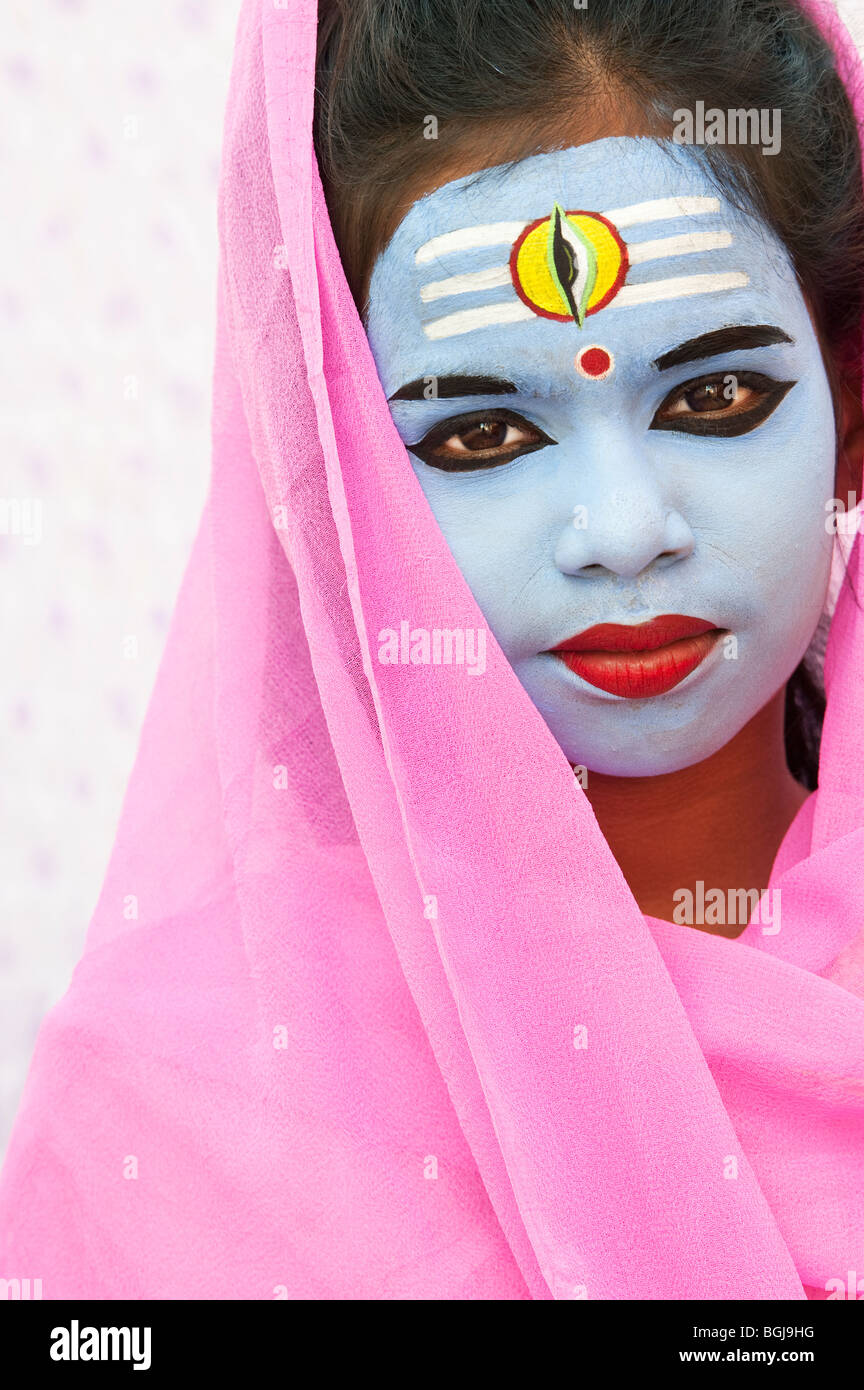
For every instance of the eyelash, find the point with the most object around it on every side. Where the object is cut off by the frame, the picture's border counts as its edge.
(734, 422)
(723, 424)
(492, 458)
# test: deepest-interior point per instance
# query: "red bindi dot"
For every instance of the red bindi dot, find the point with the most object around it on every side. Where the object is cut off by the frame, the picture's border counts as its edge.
(595, 362)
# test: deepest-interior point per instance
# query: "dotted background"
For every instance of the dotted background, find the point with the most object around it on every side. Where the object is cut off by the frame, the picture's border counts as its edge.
(109, 148)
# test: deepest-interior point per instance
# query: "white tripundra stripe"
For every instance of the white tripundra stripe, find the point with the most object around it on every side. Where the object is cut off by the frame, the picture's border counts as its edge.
(505, 233)
(490, 279)
(688, 242)
(467, 238)
(659, 209)
(638, 252)
(677, 287)
(483, 317)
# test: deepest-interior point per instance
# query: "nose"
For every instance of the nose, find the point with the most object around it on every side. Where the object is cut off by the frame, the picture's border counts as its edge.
(619, 521)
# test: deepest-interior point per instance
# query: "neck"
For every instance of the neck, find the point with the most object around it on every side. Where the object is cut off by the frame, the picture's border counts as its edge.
(719, 822)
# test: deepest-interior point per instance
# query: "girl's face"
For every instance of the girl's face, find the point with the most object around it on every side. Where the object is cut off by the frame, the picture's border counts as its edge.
(615, 402)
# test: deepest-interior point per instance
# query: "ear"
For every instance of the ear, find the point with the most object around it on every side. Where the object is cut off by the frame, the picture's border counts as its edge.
(850, 437)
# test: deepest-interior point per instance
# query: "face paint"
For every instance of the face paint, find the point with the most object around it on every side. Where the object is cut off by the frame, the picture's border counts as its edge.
(631, 443)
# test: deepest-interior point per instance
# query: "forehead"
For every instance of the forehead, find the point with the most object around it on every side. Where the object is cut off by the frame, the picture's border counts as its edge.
(469, 277)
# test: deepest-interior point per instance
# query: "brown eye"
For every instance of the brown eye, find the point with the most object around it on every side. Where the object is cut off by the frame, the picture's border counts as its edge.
(708, 396)
(489, 434)
(724, 404)
(483, 439)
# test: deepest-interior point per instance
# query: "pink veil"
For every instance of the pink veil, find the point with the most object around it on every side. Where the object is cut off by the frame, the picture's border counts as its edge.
(367, 1010)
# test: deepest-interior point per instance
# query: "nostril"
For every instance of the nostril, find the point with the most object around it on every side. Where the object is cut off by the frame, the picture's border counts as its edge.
(669, 557)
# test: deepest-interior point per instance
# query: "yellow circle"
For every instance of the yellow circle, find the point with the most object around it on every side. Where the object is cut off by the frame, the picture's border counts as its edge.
(532, 267)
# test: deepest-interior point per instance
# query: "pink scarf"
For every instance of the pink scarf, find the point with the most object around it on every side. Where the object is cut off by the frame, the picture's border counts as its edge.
(367, 1009)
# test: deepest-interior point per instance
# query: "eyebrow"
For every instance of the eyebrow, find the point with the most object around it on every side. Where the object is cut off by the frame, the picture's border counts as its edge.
(450, 386)
(737, 337)
(731, 339)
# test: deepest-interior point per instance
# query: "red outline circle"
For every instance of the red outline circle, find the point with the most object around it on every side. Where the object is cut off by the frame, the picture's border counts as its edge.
(613, 288)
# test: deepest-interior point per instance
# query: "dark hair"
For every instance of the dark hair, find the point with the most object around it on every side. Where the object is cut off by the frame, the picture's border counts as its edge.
(520, 71)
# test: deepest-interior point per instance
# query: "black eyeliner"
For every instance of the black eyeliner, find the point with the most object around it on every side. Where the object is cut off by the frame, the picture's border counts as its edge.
(424, 449)
(712, 424)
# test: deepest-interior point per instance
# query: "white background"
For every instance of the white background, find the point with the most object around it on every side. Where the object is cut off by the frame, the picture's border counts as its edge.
(109, 145)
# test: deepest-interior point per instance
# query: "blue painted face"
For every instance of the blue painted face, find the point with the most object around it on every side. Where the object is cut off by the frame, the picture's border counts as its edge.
(632, 420)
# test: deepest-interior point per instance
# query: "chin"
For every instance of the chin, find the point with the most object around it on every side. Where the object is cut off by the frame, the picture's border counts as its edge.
(661, 734)
(648, 738)
(632, 758)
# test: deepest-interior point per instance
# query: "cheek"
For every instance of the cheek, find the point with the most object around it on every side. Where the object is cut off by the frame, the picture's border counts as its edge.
(770, 520)
(497, 531)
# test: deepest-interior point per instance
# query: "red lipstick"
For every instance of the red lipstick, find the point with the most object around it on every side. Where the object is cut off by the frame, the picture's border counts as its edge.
(641, 660)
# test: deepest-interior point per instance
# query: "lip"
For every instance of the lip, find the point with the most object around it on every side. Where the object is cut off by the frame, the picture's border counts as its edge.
(639, 660)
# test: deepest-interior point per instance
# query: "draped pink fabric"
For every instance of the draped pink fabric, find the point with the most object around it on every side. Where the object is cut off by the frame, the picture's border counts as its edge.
(367, 1009)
